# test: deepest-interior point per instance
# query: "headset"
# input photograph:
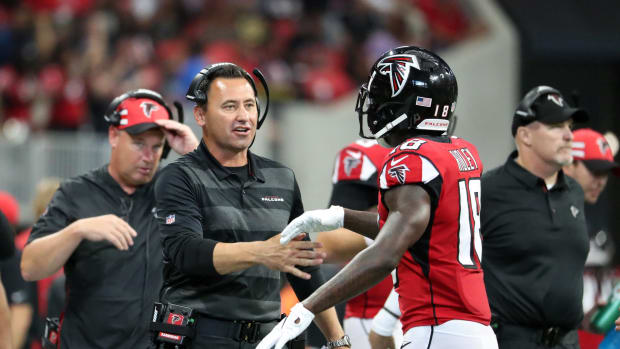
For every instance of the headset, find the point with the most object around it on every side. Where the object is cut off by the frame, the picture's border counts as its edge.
(195, 94)
(113, 116)
(524, 111)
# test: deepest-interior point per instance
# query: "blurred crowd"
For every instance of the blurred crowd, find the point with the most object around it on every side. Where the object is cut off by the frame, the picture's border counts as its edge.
(62, 61)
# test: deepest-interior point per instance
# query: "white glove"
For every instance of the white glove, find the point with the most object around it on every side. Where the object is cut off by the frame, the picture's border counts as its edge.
(313, 221)
(289, 328)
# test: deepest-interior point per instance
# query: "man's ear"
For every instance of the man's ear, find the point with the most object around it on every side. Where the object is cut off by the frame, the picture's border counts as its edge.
(200, 115)
(114, 135)
(524, 134)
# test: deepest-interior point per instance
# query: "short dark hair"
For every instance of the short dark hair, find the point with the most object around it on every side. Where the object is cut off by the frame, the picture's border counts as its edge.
(228, 71)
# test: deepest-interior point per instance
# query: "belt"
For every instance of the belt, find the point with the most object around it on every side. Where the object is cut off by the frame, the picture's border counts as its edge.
(547, 336)
(238, 330)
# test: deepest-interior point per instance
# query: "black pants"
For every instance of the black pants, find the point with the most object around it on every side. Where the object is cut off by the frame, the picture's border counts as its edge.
(205, 342)
(514, 337)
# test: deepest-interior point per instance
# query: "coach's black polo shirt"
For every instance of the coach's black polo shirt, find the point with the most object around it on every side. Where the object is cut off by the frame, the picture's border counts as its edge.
(110, 292)
(201, 203)
(535, 245)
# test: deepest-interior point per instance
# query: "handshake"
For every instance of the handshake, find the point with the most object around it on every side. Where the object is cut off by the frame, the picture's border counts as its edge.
(313, 221)
(300, 318)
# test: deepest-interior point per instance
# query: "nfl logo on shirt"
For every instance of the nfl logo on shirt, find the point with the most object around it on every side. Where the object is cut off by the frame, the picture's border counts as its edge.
(170, 219)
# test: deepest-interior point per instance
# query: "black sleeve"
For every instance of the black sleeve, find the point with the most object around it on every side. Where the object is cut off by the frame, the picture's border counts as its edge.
(354, 195)
(18, 291)
(298, 205)
(7, 237)
(178, 213)
(304, 288)
(57, 215)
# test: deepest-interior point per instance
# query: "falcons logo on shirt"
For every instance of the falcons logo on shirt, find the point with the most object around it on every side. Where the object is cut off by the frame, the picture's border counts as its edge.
(148, 108)
(351, 161)
(397, 67)
(399, 172)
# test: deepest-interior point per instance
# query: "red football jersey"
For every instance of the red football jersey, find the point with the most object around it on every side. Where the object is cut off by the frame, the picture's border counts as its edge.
(360, 161)
(439, 277)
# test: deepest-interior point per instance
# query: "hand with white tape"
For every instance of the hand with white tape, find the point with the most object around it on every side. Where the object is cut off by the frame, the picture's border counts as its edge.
(288, 329)
(312, 222)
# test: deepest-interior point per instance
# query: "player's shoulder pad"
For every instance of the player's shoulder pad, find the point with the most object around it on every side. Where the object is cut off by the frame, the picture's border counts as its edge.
(407, 167)
(358, 161)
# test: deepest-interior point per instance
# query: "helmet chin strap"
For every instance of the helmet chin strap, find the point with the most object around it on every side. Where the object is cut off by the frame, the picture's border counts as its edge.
(379, 136)
(390, 125)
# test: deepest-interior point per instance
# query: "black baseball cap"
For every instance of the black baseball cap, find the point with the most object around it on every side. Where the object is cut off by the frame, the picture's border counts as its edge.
(549, 108)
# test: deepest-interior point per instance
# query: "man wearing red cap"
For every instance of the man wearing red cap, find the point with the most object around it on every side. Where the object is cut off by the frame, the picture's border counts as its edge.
(101, 226)
(593, 161)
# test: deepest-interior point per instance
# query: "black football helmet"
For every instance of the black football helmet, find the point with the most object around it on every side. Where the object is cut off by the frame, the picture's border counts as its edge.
(408, 88)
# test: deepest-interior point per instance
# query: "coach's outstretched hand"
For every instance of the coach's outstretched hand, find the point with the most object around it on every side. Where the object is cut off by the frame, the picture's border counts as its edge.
(313, 221)
(289, 328)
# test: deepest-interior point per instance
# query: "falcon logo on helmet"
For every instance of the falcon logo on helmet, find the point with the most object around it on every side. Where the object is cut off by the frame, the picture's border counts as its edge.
(398, 68)
(148, 108)
(399, 172)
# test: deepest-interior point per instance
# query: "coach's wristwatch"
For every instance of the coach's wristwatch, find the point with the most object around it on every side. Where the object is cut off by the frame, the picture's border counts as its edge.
(342, 342)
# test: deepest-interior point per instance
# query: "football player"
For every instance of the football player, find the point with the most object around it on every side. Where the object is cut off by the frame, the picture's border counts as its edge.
(355, 187)
(429, 213)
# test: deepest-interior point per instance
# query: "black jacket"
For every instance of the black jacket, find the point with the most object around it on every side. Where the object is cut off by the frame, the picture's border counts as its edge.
(109, 292)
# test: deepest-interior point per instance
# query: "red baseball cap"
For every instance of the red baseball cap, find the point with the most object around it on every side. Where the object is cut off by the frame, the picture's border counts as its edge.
(592, 148)
(10, 207)
(139, 114)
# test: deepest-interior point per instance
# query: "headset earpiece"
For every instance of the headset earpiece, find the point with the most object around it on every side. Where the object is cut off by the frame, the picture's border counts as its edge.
(198, 96)
(194, 93)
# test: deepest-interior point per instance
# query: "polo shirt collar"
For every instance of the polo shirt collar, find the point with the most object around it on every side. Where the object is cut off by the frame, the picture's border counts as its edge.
(528, 178)
(222, 172)
(112, 184)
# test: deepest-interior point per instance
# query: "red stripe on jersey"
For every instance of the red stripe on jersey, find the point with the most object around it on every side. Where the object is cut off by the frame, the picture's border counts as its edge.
(438, 280)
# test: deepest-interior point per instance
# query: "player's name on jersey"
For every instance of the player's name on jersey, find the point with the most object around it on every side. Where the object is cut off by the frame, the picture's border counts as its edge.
(464, 159)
